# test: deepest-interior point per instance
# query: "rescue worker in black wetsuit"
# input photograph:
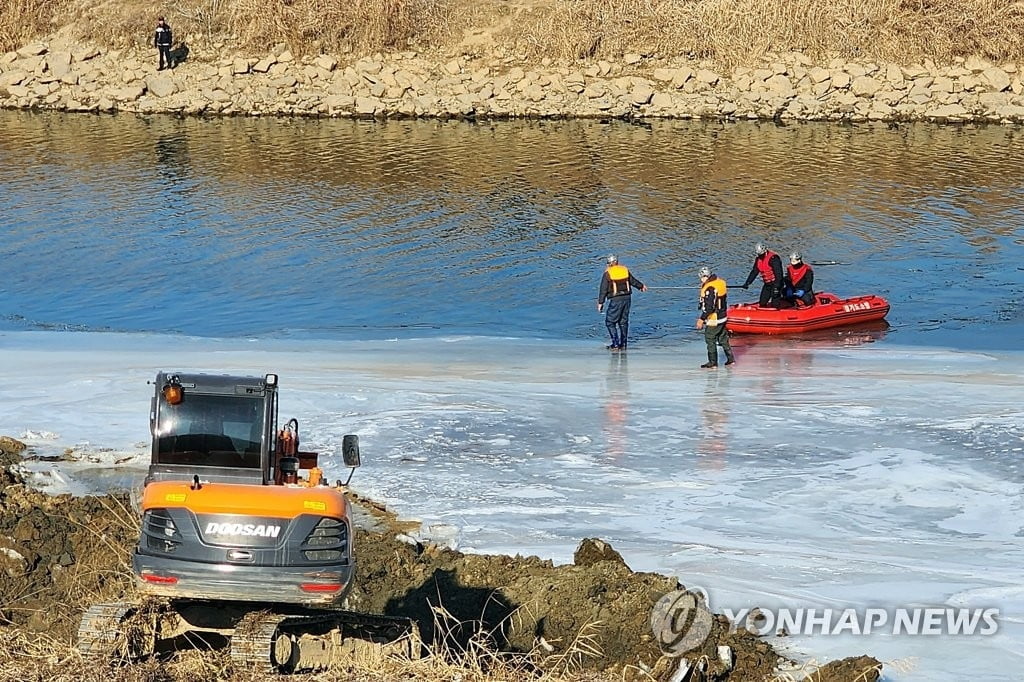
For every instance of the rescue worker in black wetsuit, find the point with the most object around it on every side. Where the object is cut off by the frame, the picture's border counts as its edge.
(617, 286)
(713, 317)
(767, 264)
(162, 41)
(799, 281)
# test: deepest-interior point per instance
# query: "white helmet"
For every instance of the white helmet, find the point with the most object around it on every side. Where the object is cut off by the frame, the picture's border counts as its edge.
(795, 258)
(704, 272)
(613, 259)
(760, 249)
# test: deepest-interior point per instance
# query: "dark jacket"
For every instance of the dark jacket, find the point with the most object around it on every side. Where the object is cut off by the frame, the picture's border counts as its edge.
(162, 37)
(800, 279)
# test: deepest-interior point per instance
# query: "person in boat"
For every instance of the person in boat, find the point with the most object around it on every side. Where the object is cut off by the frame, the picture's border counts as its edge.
(768, 265)
(799, 281)
(617, 285)
(713, 317)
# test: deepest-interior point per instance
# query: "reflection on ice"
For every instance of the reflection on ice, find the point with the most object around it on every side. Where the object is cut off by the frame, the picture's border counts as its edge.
(834, 471)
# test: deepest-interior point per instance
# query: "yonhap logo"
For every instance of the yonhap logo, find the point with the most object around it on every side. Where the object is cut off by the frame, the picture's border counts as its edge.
(243, 530)
(903, 620)
(681, 621)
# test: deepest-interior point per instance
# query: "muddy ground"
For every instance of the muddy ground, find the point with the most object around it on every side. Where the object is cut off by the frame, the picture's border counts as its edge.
(60, 553)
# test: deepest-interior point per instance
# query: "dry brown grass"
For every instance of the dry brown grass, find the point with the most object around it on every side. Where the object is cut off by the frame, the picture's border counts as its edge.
(103, 566)
(23, 20)
(99, 538)
(124, 23)
(43, 658)
(306, 26)
(742, 31)
(361, 26)
(729, 32)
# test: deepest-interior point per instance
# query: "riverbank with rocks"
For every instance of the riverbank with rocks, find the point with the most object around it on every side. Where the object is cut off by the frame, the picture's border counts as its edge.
(56, 76)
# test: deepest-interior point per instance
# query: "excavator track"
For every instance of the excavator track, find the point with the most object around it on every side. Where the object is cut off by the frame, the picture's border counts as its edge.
(101, 631)
(253, 642)
(269, 642)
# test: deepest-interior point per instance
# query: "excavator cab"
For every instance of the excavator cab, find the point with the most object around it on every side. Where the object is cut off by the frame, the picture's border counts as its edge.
(220, 428)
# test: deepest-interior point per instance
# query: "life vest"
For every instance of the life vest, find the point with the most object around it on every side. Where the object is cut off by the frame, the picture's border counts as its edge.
(797, 273)
(764, 266)
(618, 275)
(718, 314)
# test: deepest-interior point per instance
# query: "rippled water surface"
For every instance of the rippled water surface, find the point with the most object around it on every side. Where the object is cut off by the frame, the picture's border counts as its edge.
(346, 229)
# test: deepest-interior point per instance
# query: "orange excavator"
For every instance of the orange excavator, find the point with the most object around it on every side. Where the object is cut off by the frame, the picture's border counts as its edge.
(243, 543)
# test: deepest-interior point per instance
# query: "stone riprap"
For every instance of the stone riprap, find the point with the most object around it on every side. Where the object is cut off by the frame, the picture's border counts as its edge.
(409, 84)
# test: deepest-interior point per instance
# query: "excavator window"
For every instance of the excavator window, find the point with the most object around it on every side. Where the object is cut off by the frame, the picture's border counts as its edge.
(210, 430)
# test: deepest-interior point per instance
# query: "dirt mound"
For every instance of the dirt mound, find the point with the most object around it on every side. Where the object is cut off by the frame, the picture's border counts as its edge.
(59, 554)
(10, 451)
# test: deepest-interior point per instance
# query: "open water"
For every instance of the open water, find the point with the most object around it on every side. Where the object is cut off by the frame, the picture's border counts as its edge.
(347, 230)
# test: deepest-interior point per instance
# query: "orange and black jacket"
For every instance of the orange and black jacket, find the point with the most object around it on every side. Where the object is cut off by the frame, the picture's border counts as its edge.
(769, 266)
(713, 306)
(617, 281)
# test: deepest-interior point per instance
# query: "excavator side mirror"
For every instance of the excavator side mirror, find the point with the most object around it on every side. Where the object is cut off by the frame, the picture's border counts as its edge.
(350, 450)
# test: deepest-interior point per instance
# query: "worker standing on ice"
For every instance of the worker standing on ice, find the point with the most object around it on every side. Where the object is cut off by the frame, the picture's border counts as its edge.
(713, 310)
(617, 286)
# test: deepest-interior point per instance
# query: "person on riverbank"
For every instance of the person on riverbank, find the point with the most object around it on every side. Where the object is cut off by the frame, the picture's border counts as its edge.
(162, 40)
(714, 317)
(799, 281)
(768, 265)
(617, 286)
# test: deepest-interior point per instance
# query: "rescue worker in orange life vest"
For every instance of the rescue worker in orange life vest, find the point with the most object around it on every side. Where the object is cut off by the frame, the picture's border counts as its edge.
(713, 317)
(799, 281)
(769, 266)
(617, 286)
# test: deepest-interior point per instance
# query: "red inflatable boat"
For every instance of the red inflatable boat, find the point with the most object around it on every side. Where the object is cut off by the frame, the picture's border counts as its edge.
(828, 311)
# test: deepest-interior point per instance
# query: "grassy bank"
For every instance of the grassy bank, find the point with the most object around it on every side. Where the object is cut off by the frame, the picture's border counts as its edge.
(731, 32)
